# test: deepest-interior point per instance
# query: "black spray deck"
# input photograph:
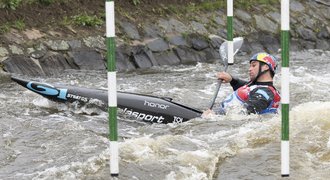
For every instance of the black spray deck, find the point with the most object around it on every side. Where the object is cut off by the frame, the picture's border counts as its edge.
(142, 107)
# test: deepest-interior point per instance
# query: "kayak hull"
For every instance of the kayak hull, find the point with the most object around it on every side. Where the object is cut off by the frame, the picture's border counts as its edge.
(141, 107)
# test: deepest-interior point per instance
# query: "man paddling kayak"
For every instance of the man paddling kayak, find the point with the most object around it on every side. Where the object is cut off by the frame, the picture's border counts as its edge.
(258, 95)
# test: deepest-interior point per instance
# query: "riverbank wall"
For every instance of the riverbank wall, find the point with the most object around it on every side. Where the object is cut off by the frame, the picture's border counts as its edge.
(168, 40)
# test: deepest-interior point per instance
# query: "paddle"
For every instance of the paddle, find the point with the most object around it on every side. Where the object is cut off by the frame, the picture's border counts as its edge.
(223, 53)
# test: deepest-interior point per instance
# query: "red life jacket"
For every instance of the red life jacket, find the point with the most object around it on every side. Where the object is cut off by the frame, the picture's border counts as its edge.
(243, 92)
(242, 95)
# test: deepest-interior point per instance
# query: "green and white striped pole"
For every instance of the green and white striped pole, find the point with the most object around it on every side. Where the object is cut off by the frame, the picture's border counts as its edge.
(112, 87)
(285, 81)
(230, 10)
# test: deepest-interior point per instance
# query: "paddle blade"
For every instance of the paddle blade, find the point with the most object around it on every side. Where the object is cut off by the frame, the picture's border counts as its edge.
(223, 53)
(238, 42)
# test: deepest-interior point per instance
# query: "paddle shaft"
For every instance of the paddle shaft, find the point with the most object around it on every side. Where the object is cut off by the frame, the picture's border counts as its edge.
(237, 43)
(217, 90)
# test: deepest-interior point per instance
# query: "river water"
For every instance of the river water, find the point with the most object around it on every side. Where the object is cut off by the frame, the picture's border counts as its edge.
(40, 139)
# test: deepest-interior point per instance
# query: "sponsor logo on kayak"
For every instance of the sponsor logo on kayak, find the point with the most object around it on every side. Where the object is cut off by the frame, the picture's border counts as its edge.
(47, 90)
(77, 97)
(143, 116)
(177, 119)
(155, 105)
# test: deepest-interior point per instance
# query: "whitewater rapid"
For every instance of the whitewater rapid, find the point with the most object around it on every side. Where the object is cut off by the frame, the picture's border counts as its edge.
(45, 140)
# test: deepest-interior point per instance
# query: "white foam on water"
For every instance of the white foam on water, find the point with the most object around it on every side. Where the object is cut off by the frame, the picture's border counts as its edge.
(184, 69)
(73, 170)
(316, 112)
(42, 102)
(192, 155)
(3, 96)
(309, 134)
(187, 173)
(203, 160)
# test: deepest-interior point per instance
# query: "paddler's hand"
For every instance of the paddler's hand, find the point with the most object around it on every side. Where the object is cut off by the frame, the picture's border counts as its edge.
(208, 113)
(224, 77)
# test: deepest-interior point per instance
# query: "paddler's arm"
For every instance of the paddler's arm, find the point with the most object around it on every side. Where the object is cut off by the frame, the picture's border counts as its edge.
(259, 100)
(237, 83)
(228, 78)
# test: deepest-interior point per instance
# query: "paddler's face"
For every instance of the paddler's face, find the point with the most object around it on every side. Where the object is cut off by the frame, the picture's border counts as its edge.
(254, 69)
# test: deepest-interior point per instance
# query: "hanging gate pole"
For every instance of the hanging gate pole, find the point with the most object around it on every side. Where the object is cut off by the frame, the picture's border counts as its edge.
(112, 87)
(285, 81)
(230, 11)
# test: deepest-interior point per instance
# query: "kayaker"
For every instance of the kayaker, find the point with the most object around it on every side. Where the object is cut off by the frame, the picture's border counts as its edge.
(258, 96)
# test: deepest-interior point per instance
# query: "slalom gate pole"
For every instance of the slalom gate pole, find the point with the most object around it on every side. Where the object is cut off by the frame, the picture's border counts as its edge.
(230, 10)
(285, 81)
(112, 87)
